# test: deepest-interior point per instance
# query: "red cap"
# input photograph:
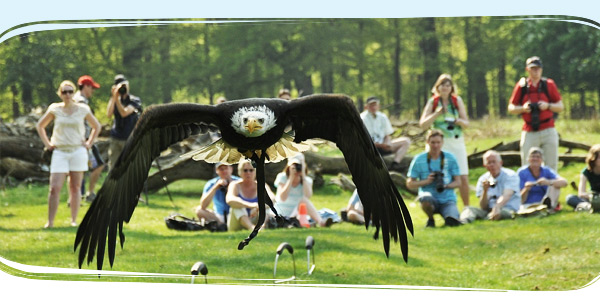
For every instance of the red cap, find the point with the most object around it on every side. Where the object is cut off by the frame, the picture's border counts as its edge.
(302, 209)
(87, 80)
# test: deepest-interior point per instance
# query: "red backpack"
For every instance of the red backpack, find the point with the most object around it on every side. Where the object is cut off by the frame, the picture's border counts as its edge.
(437, 99)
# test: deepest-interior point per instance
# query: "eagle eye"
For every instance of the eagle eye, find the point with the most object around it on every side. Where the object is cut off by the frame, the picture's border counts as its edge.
(245, 120)
(261, 120)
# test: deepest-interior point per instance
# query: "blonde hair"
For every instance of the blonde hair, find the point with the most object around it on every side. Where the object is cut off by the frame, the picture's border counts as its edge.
(592, 156)
(62, 84)
(441, 80)
(241, 167)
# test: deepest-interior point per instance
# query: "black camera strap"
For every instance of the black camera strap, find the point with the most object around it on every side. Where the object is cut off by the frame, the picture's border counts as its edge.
(441, 162)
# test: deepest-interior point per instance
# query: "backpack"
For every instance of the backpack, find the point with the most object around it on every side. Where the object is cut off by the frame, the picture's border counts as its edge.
(543, 87)
(437, 99)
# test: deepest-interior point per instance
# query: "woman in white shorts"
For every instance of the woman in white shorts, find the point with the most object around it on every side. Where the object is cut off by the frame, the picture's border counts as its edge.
(69, 147)
(446, 111)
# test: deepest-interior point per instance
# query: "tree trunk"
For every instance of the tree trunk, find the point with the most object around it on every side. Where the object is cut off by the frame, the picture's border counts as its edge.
(502, 99)
(397, 78)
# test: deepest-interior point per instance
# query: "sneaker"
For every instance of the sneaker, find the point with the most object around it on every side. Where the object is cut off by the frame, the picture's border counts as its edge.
(430, 223)
(90, 197)
(450, 221)
(583, 207)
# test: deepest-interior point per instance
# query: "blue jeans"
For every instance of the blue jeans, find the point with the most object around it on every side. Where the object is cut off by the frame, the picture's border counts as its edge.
(573, 200)
(446, 209)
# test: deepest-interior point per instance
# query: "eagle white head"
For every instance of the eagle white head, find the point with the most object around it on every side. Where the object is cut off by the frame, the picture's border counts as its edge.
(253, 121)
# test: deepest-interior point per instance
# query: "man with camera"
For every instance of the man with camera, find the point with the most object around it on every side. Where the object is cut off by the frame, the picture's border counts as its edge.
(126, 109)
(436, 174)
(215, 191)
(380, 129)
(537, 99)
(539, 184)
(498, 192)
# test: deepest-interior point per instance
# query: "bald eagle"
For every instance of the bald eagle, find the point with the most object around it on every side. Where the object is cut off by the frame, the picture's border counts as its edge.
(253, 129)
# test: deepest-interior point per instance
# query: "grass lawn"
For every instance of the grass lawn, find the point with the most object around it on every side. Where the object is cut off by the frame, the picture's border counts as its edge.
(558, 252)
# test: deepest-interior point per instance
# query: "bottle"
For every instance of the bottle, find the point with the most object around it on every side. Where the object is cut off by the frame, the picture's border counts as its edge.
(302, 217)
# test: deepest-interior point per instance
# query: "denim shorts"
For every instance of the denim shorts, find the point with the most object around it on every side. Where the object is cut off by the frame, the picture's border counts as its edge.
(446, 209)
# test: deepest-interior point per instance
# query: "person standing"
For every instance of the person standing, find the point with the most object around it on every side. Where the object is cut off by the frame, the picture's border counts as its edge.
(87, 85)
(446, 111)
(126, 109)
(69, 148)
(537, 99)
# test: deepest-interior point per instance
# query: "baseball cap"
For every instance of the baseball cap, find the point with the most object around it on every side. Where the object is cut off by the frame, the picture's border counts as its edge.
(120, 78)
(533, 61)
(87, 80)
(294, 160)
(372, 99)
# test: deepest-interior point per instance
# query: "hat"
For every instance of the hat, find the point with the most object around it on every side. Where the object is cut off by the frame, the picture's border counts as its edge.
(533, 61)
(372, 99)
(120, 78)
(87, 80)
(218, 164)
(293, 160)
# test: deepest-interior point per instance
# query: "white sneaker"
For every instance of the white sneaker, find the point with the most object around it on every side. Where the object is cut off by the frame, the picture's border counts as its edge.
(583, 207)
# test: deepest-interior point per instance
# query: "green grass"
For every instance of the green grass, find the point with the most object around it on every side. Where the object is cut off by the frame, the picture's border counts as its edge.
(559, 252)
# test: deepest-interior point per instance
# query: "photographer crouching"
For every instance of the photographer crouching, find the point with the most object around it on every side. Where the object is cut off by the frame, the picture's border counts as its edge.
(436, 174)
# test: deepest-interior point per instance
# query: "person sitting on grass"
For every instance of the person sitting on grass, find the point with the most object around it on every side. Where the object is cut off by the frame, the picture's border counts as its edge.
(539, 184)
(242, 197)
(215, 191)
(436, 174)
(294, 186)
(498, 192)
(586, 200)
(354, 212)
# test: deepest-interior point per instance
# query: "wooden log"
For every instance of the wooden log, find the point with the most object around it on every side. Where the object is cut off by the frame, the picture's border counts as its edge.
(21, 169)
(23, 148)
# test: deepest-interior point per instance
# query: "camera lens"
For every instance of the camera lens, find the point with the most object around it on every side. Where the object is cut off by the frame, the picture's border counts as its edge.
(123, 90)
(298, 167)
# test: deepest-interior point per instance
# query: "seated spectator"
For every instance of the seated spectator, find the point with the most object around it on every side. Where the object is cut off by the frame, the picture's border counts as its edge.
(539, 184)
(435, 173)
(497, 190)
(295, 187)
(215, 191)
(354, 212)
(586, 200)
(242, 197)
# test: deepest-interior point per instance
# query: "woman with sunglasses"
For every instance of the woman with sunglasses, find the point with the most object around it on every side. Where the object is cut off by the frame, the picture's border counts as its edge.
(68, 146)
(242, 197)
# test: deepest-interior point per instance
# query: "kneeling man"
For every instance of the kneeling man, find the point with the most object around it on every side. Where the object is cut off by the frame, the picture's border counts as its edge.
(435, 173)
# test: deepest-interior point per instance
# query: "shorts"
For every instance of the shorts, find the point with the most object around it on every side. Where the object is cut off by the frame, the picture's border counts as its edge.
(446, 209)
(233, 220)
(457, 147)
(69, 161)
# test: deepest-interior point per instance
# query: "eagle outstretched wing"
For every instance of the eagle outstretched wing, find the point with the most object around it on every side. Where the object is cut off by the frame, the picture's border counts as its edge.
(335, 118)
(158, 127)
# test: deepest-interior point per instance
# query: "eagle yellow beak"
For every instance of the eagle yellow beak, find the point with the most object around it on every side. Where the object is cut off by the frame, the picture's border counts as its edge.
(252, 125)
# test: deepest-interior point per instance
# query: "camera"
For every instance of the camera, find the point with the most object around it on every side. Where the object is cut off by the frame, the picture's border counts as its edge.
(438, 181)
(450, 123)
(298, 167)
(535, 115)
(224, 187)
(122, 90)
(492, 181)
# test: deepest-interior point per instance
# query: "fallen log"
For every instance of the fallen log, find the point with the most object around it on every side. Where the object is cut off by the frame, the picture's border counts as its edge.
(21, 169)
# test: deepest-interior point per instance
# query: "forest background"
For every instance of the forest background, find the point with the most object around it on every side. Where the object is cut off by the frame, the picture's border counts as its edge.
(397, 60)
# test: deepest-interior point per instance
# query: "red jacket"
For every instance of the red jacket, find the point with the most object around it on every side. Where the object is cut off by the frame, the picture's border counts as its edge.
(534, 96)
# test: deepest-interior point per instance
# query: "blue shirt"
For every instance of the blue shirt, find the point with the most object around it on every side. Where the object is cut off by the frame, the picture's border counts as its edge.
(536, 193)
(219, 204)
(507, 179)
(419, 169)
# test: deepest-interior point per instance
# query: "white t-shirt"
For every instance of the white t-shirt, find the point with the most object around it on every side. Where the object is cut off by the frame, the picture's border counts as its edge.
(289, 207)
(69, 130)
(378, 126)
